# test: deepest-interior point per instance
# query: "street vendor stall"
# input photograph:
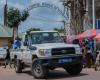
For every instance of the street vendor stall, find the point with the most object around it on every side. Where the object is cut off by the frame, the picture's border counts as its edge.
(88, 34)
(97, 37)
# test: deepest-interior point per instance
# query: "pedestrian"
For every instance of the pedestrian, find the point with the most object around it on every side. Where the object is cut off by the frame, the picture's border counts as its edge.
(7, 59)
(84, 52)
(76, 41)
(91, 45)
(88, 55)
(97, 62)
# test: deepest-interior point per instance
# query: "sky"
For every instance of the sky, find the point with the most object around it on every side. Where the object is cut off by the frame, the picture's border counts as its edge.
(40, 17)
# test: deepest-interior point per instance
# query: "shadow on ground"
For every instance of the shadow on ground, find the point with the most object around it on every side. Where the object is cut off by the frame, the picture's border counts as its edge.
(57, 74)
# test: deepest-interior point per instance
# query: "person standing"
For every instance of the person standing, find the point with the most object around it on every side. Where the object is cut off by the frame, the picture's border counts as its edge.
(91, 45)
(7, 59)
(88, 56)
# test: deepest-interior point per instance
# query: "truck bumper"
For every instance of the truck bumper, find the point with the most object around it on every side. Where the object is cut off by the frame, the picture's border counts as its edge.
(59, 61)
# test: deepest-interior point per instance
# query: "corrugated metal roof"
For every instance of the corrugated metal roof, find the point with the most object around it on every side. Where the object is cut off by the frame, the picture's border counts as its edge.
(5, 31)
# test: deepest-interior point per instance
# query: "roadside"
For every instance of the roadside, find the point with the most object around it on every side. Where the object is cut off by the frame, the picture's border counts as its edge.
(58, 74)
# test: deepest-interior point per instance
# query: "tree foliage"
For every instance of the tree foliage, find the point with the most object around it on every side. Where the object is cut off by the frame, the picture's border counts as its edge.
(15, 17)
(35, 29)
(78, 10)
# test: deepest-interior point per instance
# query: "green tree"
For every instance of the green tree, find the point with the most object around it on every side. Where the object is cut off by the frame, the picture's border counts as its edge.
(14, 18)
(35, 29)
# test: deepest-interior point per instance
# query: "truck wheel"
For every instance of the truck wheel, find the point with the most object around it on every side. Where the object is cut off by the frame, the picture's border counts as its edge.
(75, 69)
(39, 71)
(18, 66)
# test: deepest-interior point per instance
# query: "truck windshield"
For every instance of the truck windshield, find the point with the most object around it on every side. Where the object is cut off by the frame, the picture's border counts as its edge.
(45, 37)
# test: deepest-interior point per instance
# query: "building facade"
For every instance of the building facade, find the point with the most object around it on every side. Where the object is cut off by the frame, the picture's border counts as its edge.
(5, 35)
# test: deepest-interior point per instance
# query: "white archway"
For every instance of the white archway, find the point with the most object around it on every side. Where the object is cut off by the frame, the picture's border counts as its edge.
(51, 6)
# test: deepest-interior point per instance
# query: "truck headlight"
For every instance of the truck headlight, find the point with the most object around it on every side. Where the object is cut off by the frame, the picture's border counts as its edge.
(78, 50)
(41, 52)
(44, 52)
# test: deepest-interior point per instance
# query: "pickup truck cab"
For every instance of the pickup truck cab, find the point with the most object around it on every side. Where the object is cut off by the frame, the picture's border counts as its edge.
(45, 50)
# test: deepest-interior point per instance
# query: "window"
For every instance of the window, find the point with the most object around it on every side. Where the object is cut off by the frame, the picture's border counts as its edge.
(45, 37)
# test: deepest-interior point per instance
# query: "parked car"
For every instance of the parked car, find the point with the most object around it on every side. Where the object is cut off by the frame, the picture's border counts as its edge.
(2, 54)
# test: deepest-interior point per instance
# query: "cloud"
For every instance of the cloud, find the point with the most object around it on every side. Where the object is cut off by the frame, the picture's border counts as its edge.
(44, 25)
(2, 2)
(16, 5)
(11, 4)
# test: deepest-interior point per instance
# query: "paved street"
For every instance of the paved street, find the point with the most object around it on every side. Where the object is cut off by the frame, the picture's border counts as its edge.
(58, 74)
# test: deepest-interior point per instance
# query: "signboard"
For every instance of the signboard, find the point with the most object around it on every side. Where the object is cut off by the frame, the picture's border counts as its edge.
(98, 23)
(48, 5)
(45, 5)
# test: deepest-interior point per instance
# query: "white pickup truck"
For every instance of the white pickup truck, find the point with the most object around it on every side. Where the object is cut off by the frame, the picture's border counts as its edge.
(45, 50)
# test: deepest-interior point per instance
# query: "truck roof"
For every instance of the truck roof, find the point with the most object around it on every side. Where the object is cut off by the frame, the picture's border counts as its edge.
(42, 31)
(37, 32)
(23, 33)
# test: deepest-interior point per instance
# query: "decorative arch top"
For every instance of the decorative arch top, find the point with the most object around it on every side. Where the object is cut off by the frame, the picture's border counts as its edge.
(48, 5)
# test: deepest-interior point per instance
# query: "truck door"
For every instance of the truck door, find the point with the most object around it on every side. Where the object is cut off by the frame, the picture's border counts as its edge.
(27, 56)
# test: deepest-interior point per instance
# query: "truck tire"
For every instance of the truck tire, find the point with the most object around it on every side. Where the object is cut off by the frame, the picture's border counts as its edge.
(39, 71)
(18, 66)
(74, 69)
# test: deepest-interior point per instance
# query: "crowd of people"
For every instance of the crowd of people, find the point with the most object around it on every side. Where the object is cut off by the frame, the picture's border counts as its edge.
(88, 50)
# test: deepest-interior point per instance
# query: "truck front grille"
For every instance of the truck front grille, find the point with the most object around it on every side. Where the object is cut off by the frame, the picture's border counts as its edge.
(63, 51)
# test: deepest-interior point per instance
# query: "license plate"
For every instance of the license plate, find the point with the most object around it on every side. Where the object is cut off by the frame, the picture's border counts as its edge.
(64, 60)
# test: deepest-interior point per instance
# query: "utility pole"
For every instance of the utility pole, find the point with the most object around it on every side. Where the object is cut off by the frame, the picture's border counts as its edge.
(93, 7)
(5, 14)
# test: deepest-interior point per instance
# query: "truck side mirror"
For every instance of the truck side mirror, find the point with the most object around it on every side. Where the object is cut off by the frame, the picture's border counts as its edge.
(25, 43)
